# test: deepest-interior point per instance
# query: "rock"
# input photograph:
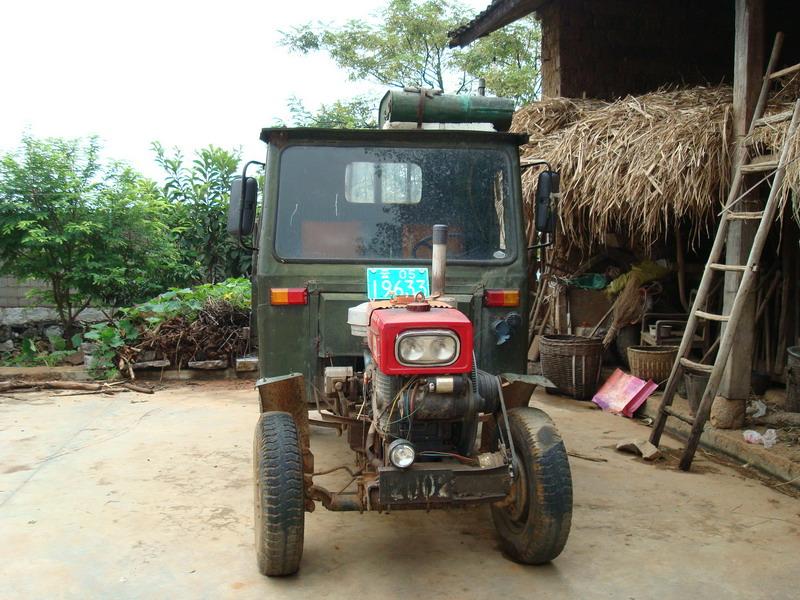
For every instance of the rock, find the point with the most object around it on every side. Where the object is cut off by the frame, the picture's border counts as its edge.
(89, 347)
(728, 414)
(24, 316)
(247, 364)
(53, 331)
(641, 448)
(7, 346)
(32, 314)
(208, 365)
(76, 358)
(150, 364)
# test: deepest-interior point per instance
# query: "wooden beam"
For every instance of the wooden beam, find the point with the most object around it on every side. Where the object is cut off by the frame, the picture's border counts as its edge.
(748, 73)
(495, 16)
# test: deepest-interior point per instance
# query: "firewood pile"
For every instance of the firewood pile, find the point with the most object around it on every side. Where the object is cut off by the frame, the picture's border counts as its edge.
(220, 331)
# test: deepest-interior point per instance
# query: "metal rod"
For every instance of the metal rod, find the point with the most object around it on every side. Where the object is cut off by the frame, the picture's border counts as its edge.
(438, 260)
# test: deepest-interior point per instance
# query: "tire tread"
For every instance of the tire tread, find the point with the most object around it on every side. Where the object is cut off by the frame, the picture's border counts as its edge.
(278, 465)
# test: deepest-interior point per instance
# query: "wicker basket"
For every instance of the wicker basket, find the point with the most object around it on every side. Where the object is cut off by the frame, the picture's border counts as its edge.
(652, 362)
(572, 363)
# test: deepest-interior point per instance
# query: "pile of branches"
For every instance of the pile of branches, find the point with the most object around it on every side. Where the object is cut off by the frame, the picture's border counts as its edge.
(219, 331)
(636, 165)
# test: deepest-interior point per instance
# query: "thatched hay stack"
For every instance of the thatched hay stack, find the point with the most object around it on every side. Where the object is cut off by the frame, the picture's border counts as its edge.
(542, 118)
(768, 140)
(637, 165)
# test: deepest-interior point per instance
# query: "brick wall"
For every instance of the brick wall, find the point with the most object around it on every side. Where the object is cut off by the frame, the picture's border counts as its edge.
(13, 293)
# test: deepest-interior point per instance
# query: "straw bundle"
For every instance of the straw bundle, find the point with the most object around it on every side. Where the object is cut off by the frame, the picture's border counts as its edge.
(546, 116)
(634, 166)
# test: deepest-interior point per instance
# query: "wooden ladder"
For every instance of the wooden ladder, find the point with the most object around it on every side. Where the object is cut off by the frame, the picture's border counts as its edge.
(774, 168)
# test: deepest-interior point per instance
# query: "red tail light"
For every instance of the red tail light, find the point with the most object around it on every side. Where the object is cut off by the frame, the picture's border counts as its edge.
(501, 298)
(284, 296)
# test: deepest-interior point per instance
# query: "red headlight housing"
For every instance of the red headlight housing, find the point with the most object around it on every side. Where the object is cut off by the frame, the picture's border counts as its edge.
(391, 326)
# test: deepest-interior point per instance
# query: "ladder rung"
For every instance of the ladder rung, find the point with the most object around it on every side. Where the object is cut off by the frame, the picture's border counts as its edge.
(772, 119)
(674, 413)
(711, 316)
(695, 366)
(743, 216)
(720, 267)
(784, 72)
(761, 164)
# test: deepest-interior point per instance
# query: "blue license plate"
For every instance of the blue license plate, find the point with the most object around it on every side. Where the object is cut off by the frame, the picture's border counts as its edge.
(385, 283)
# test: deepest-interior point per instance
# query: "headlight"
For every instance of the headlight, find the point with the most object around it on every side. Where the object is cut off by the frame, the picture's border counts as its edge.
(401, 454)
(432, 347)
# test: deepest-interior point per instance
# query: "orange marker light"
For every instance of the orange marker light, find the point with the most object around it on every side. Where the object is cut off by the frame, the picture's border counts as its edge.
(286, 296)
(501, 298)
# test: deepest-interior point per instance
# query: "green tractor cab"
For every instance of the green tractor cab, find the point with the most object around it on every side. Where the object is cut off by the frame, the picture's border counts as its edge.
(391, 293)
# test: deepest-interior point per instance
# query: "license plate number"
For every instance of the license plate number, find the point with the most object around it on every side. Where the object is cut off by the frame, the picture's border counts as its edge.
(385, 283)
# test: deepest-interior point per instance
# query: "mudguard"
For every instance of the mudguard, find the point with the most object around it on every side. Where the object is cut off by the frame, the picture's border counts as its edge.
(517, 389)
(287, 393)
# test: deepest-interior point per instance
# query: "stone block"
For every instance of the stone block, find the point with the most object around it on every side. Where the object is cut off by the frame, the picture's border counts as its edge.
(247, 364)
(208, 365)
(150, 364)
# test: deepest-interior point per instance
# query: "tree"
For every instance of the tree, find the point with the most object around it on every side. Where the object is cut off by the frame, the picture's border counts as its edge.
(356, 113)
(198, 195)
(508, 59)
(407, 45)
(91, 231)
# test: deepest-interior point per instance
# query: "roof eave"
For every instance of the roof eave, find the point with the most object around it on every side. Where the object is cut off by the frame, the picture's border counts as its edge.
(498, 14)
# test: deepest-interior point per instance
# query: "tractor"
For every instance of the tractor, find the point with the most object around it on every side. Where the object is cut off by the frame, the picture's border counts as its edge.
(391, 302)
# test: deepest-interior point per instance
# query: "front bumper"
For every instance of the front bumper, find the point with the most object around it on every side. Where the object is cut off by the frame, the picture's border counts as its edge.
(432, 485)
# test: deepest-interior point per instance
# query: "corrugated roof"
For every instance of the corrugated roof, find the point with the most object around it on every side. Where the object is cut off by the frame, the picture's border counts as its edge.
(498, 14)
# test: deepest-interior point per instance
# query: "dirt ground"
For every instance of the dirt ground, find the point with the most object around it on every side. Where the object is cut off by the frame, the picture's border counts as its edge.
(137, 496)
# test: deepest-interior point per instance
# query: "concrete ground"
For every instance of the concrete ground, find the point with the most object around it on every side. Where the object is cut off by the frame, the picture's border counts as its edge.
(136, 496)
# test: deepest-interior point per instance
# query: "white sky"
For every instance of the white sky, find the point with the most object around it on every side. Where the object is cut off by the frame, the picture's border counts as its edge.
(185, 73)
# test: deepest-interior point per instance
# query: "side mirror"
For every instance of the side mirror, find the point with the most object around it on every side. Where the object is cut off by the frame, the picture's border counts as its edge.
(242, 207)
(546, 195)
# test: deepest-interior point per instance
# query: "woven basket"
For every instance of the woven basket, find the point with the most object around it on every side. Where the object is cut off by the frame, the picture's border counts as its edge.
(652, 362)
(572, 363)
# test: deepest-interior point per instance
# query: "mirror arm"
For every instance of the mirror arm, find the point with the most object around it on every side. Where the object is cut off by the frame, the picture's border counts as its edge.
(535, 162)
(241, 203)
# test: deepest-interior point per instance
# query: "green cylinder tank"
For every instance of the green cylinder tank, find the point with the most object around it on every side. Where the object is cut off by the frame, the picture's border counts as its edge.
(428, 107)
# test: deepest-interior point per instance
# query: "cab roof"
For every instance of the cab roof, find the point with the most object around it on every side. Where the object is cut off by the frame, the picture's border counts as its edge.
(283, 135)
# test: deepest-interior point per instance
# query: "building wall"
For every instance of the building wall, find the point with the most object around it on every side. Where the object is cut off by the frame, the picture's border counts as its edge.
(610, 48)
(13, 293)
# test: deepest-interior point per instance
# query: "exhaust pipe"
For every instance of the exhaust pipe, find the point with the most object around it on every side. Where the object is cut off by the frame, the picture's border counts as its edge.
(439, 260)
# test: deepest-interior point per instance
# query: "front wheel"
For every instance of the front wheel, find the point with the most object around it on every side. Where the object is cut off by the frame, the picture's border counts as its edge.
(534, 527)
(279, 502)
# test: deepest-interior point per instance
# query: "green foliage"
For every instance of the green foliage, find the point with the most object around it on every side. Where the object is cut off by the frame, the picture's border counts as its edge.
(30, 355)
(407, 45)
(93, 232)
(356, 113)
(106, 340)
(198, 195)
(508, 59)
(188, 302)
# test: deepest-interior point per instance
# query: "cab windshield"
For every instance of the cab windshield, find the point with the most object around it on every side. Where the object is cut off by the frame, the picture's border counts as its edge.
(379, 204)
